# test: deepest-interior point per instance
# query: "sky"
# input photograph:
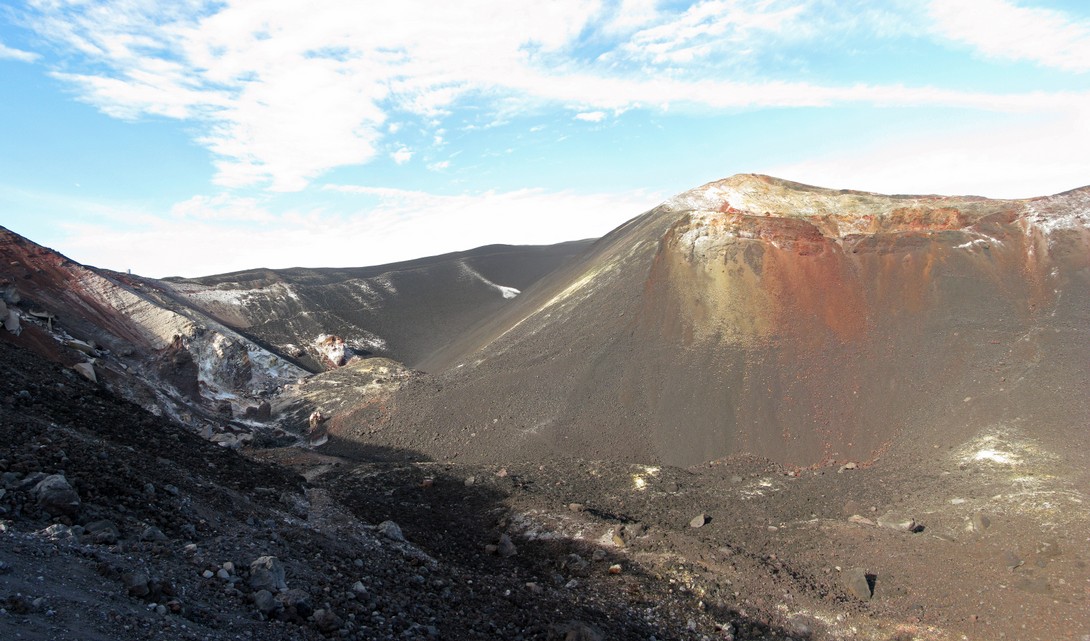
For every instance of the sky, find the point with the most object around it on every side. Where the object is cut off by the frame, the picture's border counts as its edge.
(191, 137)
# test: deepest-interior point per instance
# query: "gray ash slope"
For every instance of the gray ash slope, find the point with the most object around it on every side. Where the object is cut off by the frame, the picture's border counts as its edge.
(403, 311)
(754, 315)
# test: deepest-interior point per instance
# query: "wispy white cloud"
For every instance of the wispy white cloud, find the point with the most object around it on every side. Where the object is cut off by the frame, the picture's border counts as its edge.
(402, 155)
(225, 208)
(591, 116)
(284, 91)
(707, 27)
(390, 225)
(1004, 30)
(10, 53)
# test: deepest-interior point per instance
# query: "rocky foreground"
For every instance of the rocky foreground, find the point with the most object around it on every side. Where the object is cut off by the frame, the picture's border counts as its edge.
(121, 525)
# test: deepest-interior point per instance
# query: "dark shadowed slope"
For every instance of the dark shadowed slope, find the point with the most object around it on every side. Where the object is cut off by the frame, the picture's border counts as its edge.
(762, 316)
(402, 310)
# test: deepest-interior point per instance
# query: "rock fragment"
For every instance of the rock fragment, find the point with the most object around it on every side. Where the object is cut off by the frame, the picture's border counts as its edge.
(577, 631)
(265, 602)
(857, 583)
(267, 573)
(136, 584)
(326, 621)
(699, 520)
(152, 534)
(505, 548)
(391, 530)
(979, 522)
(893, 521)
(86, 370)
(102, 532)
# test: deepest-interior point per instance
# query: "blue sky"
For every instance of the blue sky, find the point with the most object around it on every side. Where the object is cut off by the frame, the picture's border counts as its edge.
(192, 137)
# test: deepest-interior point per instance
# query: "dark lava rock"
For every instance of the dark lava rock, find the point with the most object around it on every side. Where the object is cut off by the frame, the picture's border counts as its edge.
(327, 621)
(153, 534)
(506, 548)
(391, 530)
(56, 496)
(265, 602)
(267, 573)
(136, 584)
(577, 631)
(102, 532)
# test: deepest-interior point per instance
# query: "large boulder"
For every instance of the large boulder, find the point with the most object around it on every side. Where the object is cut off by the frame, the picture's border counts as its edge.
(56, 496)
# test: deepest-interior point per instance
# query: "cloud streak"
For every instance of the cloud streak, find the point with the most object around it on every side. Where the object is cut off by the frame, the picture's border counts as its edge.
(10, 53)
(1003, 30)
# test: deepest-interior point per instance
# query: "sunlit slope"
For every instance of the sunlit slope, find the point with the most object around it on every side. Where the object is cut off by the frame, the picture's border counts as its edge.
(761, 316)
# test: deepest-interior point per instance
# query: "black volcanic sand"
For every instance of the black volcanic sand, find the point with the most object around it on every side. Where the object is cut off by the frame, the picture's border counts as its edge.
(955, 544)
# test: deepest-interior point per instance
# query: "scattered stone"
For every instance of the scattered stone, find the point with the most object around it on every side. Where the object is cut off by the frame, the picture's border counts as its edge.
(857, 583)
(897, 522)
(102, 532)
(267, 573)
(534, 588)
(136, 584)
(56, 496)
(207, 574)
(297, 603)
(506, 548)
(699, 520)
(80, 346)
(1049, 548)
(800, 626)
(230, 567)
(86, 370)
(327, 621)
(223, 575)
(576, 507)
(575, 564)
(980, 522)
(391, 530)
(58, 532)
(850, 465)
(1012, 561)
(359, 588)
(615, 568)
(11, 322)
(265, 602)
(861, 520)
(577, 631)
(470, 480)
